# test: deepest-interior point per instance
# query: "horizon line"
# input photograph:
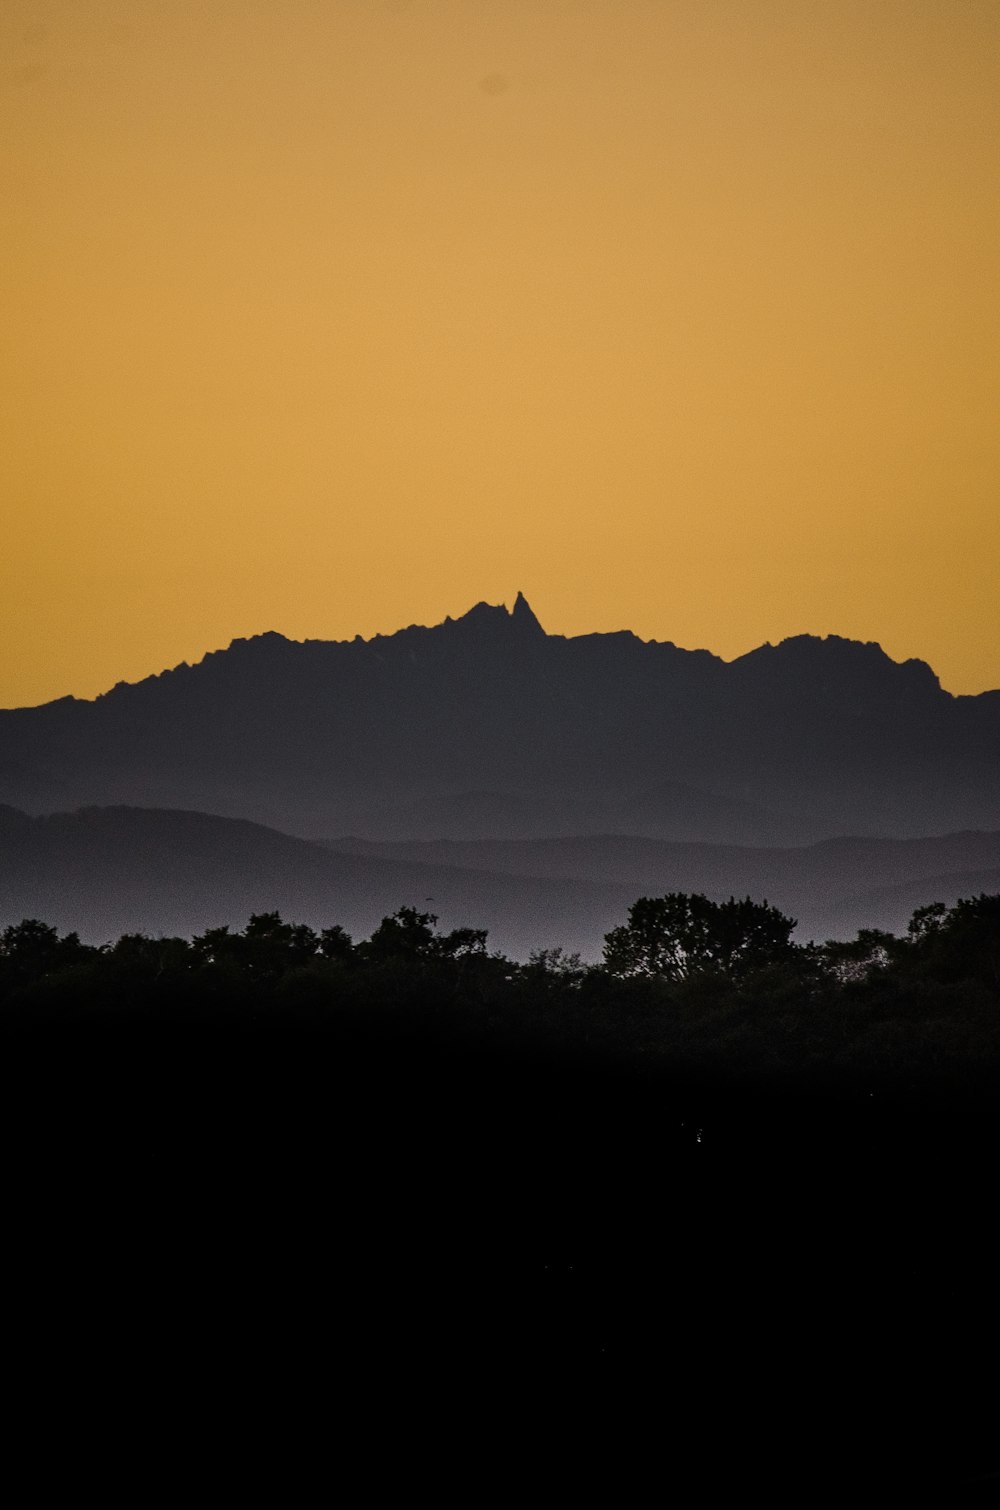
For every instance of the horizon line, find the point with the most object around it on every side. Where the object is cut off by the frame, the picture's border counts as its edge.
(520, 610)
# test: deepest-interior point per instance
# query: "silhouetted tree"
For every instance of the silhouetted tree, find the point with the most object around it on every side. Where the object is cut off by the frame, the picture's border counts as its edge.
(857, 959)
(461, 943)
(679, 935)
(556, 962)
(335, 943)
(406, 935)
(409, 935)
(926, 921)
(31, 949)
(267, 947)
(957, 943)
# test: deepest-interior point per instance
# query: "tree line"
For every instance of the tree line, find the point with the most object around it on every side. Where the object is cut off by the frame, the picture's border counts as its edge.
(716, 986)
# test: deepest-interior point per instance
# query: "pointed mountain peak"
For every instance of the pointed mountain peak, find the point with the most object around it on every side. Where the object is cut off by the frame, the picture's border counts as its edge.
(523, 615)
(496, 619)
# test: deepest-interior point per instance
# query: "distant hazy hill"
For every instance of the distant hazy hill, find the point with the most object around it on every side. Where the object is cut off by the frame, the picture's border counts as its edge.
(832, 888)
(668, 810)
(105, 871)
(486, 726)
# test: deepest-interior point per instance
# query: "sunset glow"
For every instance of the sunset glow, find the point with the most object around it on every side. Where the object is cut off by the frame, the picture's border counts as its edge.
(330, 316)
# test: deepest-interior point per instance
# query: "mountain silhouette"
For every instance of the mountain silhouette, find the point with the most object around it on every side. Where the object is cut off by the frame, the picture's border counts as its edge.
(486, 726)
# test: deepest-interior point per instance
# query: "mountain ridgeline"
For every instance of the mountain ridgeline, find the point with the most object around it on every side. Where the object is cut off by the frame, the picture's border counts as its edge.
(487, 727)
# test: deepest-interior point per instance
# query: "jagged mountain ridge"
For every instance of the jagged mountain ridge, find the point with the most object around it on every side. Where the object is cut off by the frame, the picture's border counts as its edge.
(825, 735)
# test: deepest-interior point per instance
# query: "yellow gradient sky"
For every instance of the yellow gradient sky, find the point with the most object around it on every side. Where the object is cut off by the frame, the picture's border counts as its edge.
(330, 316)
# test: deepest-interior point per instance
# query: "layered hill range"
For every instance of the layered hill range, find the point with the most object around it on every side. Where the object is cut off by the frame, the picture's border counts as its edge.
(113, 870)
(486, 727)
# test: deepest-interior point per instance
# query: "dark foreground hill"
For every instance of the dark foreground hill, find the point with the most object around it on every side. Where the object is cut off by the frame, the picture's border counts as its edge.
(106, 871)
(488, 726)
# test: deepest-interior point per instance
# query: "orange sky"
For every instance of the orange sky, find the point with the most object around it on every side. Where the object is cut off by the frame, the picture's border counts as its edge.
(329, 316)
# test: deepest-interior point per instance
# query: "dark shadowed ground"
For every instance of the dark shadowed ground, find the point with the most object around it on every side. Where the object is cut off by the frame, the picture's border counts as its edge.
(481, 1270)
